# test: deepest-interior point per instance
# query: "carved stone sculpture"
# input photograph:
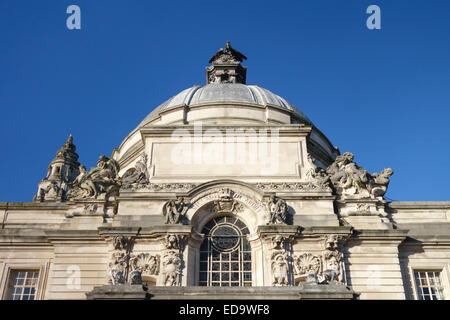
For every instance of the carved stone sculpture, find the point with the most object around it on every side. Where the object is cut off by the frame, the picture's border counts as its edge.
(278, 211)
(307, 265)
(380, 182)
(349, 179)
(135, 277)
(332, 261)
(172, 259)
(171, 268)
(323, 268)
(174, 210)
(146, 263)
(226, 203)
(137, 177)
(171, 241)
(317, 175)
(280, 268)
(119, 259)
(102, 180)
(278, 242)
(117, 267)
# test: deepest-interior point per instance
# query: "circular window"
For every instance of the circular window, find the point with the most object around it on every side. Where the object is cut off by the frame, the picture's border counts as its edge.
(225, 237)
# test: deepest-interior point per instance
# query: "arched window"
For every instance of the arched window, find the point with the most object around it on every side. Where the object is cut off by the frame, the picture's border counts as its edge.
(225, 254)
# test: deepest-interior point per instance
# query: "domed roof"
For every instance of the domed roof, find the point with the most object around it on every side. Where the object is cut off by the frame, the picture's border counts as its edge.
(226, 100)
(224, 93)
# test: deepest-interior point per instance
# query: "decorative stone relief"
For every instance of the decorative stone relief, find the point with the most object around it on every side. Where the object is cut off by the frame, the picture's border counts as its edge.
(120, 259)
(135, 277)
(350, 180)
(146, 263)
(324, 268)
(308, 266)
(280, 268)
(160, 187)
(309, 187)
(226, 203)
(280, 261)
(124, 261)
(137, 177)
(172, 259)
(332, 261)
(278, 211)
(100, 181)
(104, 209)
(171, 268)
(174, 211)
(363, 207)
(317, 176)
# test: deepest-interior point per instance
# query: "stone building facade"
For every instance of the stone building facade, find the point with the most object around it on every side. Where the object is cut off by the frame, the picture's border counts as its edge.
(224, 191)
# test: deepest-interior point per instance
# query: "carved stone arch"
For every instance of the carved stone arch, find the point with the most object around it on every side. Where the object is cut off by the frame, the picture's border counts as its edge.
(224, 182)
(226, 197)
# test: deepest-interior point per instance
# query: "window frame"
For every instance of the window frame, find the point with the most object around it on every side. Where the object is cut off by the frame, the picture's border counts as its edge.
(7, 272)
(208, 241)
(442, 268)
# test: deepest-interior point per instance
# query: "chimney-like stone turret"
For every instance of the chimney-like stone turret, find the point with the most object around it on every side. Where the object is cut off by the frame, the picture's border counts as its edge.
(226, 66)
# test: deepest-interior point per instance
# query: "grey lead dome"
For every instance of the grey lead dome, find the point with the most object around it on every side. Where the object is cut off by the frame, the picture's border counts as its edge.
(225, 93)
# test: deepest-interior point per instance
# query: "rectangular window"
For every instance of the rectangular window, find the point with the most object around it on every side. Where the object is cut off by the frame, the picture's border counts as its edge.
(429, 285)
(23, 284)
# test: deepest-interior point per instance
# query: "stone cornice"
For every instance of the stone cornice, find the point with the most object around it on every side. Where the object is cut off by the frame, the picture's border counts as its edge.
(284, 130)
(48, 205)
(419, 205)
(152, 231)
(382, 234)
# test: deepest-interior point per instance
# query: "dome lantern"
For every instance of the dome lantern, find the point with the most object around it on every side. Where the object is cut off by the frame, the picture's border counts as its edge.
(226, 66)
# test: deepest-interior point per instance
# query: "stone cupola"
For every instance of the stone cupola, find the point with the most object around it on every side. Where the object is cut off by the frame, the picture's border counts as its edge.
(226, 66)
(61, 170)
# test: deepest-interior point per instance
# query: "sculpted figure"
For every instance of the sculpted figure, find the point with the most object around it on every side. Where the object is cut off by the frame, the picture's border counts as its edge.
(350, 179)
(380, 182)
(278, 211)
(48, 190)
(173, 210)
(106, 171)
(116, 276)
(86, 187)
(280, 270)
(137, 176)
(117, 267)
(278, 242)
(171, 241)
(317, 175)
(102, 179)
(171, 268)
(332, 262)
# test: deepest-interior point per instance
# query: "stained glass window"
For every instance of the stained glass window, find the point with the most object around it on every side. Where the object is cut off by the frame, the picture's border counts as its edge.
(225, 255)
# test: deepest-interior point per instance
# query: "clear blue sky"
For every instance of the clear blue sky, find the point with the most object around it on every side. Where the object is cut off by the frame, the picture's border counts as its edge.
(383, 95)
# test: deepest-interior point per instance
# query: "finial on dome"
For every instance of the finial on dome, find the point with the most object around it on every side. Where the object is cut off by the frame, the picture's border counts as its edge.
(226, 66)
